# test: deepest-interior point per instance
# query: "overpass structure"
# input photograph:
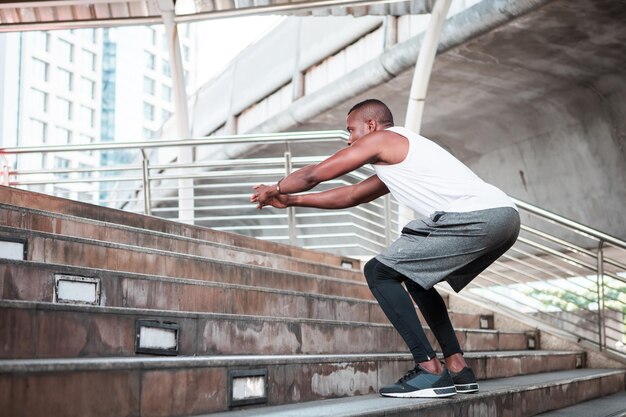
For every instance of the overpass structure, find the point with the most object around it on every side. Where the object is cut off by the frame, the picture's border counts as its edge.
(530, 94)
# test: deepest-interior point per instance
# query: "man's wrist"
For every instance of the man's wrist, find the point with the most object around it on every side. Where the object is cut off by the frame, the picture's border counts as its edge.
(278, 186)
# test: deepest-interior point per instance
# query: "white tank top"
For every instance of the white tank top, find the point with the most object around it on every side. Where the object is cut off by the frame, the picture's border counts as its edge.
(431, 179)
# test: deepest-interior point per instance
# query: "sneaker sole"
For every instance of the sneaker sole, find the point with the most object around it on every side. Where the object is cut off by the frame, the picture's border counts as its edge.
(424, 393)
(466, 388)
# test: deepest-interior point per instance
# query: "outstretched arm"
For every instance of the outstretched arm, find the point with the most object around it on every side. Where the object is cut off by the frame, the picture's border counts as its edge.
(337, 198)
(364, 151)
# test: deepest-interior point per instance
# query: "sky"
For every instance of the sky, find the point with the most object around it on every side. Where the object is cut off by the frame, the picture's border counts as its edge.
(219, 41)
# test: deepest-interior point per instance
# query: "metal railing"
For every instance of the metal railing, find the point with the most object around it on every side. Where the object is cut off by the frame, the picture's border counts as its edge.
(222, 187)
(564, 276)
(560, 275)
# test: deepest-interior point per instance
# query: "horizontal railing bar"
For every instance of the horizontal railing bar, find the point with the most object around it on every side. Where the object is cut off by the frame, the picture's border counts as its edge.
(313, 137)
(558, 241)
(570, 223)
(558, 254)
(519, 301)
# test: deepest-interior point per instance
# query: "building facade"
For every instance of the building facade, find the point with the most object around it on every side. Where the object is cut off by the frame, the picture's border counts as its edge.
(84, 86)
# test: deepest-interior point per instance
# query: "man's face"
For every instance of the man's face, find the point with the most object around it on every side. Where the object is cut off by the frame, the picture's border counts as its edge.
(358, 127)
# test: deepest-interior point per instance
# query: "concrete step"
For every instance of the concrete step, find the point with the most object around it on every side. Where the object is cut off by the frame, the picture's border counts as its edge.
(34, 281)
(80, 252)
(191, 385)
(28, 199)
(519, 396)
(46, 330)
(71, 226)
(609, 406)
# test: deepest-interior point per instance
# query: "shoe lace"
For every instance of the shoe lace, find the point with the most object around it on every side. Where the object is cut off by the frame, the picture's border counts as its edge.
(410, 374)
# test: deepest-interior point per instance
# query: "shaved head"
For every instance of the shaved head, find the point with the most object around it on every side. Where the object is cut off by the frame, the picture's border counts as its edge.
(372, 109)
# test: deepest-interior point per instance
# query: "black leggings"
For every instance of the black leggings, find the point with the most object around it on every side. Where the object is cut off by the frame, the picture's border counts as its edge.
(386, 285)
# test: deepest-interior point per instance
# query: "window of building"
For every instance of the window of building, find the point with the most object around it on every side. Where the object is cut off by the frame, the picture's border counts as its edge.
(66, 51)
(165, 115)
(148, 85)
(42, 41)
(153, 36)
(85, 170)
(167, 71)
(166, 93)
(186, 53)
(85, 139)
(84, 197)
(41, 69)
(150, 60)
(89, 35)
(147, 133)
(148, 111)
(40, 100)
(61, 192)
(87, 116)
(88, 88)
(64, 108)
(88, 60)
(63, 135)
(38, 131)
(65, 79)
(61, 164)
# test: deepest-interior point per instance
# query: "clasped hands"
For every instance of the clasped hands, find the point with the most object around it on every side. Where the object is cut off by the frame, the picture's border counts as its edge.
(267, 195)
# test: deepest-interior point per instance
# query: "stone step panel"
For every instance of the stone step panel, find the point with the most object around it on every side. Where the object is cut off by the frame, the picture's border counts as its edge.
(34, 281)
(54, 223)
(63, 250)
(520, 396)
(184, 386)
(47, 330)
(37, 201)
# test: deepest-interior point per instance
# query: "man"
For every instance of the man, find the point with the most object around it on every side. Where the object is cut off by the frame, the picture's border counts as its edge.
(468, 225)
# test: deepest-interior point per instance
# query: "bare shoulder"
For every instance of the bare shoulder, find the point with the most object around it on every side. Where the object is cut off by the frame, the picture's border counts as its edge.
(392, 147)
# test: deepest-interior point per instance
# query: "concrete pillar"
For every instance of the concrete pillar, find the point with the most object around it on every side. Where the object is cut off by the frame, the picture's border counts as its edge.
(185, 154)
(424, 65)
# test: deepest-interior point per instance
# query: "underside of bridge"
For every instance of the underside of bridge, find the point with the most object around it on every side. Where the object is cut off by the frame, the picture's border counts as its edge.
(536, 106)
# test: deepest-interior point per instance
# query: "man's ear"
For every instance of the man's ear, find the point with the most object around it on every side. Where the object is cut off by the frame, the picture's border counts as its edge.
(371, 125)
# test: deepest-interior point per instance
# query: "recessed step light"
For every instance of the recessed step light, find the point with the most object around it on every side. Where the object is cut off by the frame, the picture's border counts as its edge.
(486, 321)
(247, 387)
(157, 338)
(13, 249)
(346, 264)
(70, 289)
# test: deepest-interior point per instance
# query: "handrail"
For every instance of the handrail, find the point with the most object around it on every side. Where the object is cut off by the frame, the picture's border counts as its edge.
(316, 136)
(570, 223)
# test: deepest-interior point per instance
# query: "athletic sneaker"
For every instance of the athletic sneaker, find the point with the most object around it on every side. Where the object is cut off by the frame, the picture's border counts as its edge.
(419, 383)
(464, 381)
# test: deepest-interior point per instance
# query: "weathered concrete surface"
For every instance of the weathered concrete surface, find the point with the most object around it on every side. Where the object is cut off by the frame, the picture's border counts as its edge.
(536, 106)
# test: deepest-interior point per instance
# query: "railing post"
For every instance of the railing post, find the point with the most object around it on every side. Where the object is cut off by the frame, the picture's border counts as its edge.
(388, 224)
(601, 318)
(5, 171)
(291, 211)
(145, 171)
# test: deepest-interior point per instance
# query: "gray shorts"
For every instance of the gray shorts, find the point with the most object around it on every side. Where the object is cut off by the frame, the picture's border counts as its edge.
(451, 246)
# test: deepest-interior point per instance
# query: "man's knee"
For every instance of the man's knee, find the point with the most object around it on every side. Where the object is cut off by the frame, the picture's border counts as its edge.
(370, 272)
(377, 272)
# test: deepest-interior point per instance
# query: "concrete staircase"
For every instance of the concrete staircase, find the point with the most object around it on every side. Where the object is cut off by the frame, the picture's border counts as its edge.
(116, 314)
